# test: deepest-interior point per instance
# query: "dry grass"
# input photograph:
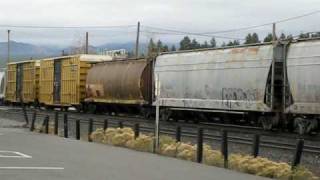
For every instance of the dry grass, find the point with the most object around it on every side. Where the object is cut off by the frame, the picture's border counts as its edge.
(169, 147)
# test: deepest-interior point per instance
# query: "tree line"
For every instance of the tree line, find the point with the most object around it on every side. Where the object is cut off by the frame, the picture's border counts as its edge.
(189, 44)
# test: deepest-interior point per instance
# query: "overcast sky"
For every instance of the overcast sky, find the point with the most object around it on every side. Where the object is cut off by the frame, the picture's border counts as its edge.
(186, 15)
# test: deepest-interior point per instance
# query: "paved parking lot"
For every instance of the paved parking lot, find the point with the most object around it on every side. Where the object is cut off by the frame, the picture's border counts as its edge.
(25, 155)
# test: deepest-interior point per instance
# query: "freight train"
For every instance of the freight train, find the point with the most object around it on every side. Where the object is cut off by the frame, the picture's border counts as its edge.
(274, 85)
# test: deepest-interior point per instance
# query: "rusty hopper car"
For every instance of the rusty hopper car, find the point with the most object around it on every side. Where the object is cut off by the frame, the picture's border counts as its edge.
(62, 80)
(120, 83)
(272, 84)
(22, 82)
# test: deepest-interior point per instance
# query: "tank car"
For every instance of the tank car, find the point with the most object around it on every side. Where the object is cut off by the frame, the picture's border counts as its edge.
(120, 85)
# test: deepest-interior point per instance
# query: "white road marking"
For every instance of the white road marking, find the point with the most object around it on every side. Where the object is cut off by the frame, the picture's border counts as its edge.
(15, 154)
(33, 168)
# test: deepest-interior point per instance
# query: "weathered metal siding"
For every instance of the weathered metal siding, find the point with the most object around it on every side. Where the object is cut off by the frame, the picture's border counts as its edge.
(70, 81)
(121, 82)
(29, 87)
(303, 67)
(228, 79)
(29, 78)
(46, 81)
(10, 94)
(73, 79)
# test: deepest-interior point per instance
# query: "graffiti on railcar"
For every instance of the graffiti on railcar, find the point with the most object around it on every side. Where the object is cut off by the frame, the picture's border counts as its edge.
(238, 97)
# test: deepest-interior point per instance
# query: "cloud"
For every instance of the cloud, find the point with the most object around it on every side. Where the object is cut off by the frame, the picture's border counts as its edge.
(187, 15)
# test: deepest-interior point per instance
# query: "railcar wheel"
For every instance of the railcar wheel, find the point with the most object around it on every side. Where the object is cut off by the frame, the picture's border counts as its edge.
(78, 108)
(165, 114)
(92, 108)
(305, 125)
(268, 122)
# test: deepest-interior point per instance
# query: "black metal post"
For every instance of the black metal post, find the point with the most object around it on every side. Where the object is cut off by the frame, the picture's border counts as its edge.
(136, 130)
(200, 145)
(46, 121)
(105, 124)
(298, 153)
(78, 129)
(255, 145)
(65, 125)
(25, 114)
(120, 124)
(224, 147)
(90, 129)
(56, 122)
(34, 116)
(178, 134)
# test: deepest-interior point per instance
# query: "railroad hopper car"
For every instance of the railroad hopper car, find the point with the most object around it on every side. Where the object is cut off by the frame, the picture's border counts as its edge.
(272, 84)
(22, 82)
(120, 85)
(303, 70)
(63, 79)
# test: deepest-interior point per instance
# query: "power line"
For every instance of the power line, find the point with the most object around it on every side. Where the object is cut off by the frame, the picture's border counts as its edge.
(265, 24)
(176, 32)
(63, 27)
(209, 34)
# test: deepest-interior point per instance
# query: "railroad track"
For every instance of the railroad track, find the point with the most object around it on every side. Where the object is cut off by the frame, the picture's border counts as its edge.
(188, 130)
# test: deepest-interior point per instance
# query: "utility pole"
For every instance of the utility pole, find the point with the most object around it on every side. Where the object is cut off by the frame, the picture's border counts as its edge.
(274, 36)
(87, 43)
(137, 40)
(8, 60)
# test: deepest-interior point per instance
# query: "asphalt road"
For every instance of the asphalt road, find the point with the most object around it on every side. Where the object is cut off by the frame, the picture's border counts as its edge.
(31, 156)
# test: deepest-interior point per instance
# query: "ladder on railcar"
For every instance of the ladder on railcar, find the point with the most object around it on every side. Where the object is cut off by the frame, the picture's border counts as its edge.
(277, 81)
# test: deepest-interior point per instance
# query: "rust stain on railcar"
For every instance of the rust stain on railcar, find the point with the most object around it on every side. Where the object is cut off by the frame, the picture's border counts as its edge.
(119, 81)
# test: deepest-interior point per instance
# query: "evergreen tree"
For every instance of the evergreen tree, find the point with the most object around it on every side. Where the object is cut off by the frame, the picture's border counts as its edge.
(255, 38)
(185, 43)
(173, 48)
(165, 48)
(205, 45)
(223, 44)
(152, 48)
(282, 36)
(236, 42)
(159, 46)
(268, 38)
(195, 44)
(290, 37)
(248, 39)
(251, 39)
(213, 43)
(230, 43)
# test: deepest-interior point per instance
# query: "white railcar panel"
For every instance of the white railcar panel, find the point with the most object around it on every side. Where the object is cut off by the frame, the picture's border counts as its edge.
(303, 67)
(228, 79)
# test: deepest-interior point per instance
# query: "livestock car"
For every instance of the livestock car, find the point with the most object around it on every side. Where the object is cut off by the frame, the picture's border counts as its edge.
(272, 84)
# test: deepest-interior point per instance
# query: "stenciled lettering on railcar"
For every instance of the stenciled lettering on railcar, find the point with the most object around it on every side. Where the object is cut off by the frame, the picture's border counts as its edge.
(238, 97)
